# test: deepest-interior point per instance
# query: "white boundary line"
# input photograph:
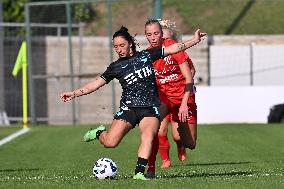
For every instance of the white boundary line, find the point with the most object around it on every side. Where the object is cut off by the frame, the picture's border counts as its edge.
(14, 135)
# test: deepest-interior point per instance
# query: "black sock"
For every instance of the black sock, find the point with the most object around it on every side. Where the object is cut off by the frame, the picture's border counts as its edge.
(99, 133)
(141, 164)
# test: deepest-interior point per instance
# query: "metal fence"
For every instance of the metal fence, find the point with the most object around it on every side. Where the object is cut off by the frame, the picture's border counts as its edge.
(59, 58)
(13, 34)
(68, 54)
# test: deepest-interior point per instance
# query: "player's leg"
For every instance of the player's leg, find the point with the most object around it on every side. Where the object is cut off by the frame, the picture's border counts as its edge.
(188, 130)
(188, 134)
(112, 137)
(164, 145)
(148, 129)
(124, 120)
(176, 138)
(152, 159)
(155, 146)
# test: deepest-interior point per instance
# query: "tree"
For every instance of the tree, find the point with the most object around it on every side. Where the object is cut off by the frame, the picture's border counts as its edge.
(13, 11)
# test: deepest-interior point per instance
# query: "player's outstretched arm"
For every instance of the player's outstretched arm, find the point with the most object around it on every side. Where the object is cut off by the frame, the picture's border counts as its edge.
(177, 47)
(87, 89)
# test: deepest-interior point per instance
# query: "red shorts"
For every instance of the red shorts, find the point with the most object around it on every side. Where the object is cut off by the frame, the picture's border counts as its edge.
(173, 108)
(169, 117)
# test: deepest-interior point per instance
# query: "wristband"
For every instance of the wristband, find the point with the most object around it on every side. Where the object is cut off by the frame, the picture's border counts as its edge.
(190, 87)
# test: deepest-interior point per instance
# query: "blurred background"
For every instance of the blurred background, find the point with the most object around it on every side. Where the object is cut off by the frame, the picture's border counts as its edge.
(239, 66)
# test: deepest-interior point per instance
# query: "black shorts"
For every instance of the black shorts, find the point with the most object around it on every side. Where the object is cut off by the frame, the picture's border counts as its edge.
(134, 115)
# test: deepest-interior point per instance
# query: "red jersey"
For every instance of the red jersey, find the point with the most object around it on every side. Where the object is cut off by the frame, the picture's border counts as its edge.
(169, 78)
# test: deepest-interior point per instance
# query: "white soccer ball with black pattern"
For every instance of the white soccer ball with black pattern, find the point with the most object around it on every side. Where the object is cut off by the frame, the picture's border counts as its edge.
(105, 168)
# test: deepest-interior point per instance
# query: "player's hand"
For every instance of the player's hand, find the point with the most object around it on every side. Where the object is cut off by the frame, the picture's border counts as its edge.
(198, 35)
(66, 96)
(183, 113)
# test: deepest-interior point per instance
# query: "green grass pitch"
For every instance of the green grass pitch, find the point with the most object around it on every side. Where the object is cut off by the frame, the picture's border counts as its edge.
(227, 156)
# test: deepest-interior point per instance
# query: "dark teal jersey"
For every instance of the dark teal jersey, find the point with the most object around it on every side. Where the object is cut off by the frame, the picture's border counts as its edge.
(136, 77)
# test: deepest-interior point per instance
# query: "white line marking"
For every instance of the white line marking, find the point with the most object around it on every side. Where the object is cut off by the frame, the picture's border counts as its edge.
(14, 135)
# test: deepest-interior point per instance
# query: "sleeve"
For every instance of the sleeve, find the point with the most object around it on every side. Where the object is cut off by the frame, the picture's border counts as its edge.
(156, 53)
(179, 57)
(109, 74)
(189, 61)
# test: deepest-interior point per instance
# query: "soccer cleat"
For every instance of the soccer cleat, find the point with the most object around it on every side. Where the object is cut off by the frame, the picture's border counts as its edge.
(94, 133)
(166, 164)
(150, 174)
(181, 154)
(139, 176)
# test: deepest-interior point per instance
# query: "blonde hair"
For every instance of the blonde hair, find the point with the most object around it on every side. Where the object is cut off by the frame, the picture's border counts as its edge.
(170, 26)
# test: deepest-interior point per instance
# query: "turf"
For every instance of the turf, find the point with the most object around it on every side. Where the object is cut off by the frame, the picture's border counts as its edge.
(227, 156)
(7, 130)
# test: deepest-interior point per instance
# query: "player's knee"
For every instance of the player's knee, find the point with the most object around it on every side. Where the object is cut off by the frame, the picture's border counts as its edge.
(110, 144)
(176, 138)
(148, 134)
(147, 138)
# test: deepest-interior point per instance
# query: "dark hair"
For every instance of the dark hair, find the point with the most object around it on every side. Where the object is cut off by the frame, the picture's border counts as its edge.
(123, 32)
(151, 21)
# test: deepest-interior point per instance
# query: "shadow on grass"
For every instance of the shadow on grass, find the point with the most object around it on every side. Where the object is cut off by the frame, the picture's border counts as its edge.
(214, 163)
(18, 170)
(197, 175)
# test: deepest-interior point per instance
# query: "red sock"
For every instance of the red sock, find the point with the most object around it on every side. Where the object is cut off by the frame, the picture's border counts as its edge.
(152, 158)
(164, 147)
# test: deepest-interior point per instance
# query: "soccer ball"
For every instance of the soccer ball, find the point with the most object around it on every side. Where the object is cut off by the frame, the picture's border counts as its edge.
(105, 168)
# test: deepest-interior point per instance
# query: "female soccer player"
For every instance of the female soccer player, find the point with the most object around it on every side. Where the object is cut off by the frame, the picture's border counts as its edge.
(139, 102)
(176, 90)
